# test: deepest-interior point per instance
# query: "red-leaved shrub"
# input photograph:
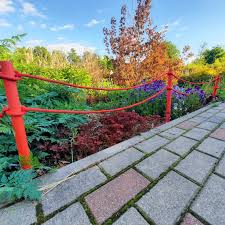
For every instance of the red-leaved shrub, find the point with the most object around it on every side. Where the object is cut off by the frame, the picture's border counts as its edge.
(111, 129)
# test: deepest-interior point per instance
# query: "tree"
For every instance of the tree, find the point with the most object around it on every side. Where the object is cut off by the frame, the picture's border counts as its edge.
(7, 45)
(138, 50)
(172, 50)
(42, 56)
(210, 56)
(73, 57)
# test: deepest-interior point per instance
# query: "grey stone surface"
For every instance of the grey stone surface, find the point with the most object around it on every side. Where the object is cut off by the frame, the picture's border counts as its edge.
(131, 217)
(216, 119)
(121, 161)
(197, 133)
(212, 110)
(222, 126)
(181, 145)
(212, 146)
(23, 213)
(172, 133)
(152, 144)
(82, 164)
(150, 133)
(71, 189)
(198, 119)
(221, 167)
(73, 215)
(197, 166)
(221, 114)
(206, 114)
(210, 204)
(167, 199)
(208, 125)
(157, 163)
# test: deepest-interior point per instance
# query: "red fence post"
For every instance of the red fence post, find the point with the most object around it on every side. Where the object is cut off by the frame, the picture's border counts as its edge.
(216, 86)
(169, 96)
(15, 111)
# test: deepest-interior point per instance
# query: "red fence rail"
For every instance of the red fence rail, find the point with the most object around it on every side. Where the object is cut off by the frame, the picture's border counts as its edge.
(17, 111)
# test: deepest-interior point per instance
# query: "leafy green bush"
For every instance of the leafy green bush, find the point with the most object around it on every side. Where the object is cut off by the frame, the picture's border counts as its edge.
(196, 78)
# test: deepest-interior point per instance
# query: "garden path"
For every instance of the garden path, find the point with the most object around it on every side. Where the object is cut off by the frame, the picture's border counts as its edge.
(173, 174)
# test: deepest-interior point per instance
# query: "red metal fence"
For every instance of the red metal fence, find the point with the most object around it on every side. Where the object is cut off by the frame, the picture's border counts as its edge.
(16, 111)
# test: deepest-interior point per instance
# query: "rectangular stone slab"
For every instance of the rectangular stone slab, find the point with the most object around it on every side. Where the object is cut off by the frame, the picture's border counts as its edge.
(165, 202)
(120, 161)
(71, 189)
(109, 198)
(210, 204)
(22, 213)
(131, 217)
(212, 146)
(197, 166)
(196, 133)
(181, 145)
(152, 144)
(73, 215)
(157, 163)
(208, 125)
(221, 167)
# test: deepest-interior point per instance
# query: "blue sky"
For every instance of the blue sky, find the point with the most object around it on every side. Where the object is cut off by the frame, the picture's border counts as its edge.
(79, 23)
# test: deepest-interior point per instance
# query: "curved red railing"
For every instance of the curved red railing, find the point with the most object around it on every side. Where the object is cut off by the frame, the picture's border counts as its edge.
(193, 83)
(80, 86)
(30, 109)
(16, 110)
(180, 93)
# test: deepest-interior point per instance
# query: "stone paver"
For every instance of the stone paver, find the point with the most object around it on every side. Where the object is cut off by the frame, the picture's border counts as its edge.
(71, 189)
(219, 134)
(198, 119)
(172, 133)
(196, 133)
(212, 146)
(208, 125)
(121, 161)
(157, 163)
(167, 199)
(181, 145)
(191, 220)
(222, 126)
(23, 213)
(187, 125)
(221, 167)
(210, 204)
(206, 114)
(73, 215)
(108, 199)
(152, 144)
(216, 119)
(197, 166)
(131, 217)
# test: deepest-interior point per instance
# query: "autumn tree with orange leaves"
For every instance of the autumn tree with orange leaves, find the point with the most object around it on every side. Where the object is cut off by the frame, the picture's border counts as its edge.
(138, 50)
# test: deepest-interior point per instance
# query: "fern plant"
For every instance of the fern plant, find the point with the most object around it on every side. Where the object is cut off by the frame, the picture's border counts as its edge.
(19, 184)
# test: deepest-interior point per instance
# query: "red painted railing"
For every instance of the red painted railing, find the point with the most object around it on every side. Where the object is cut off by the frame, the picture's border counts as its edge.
(16, 111)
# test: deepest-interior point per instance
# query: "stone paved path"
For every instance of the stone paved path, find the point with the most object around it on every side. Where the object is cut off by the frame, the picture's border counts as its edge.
(173, 174)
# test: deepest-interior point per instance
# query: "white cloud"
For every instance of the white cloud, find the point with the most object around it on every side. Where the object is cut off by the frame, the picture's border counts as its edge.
(64, 27)
(20, 28)
(66, 47)
(171, 26)
(32, 43)
(4, 23)
(94, 22)
(6, 6)
(33, 23)
(43, 26)
(30, 9)
(60, 38)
